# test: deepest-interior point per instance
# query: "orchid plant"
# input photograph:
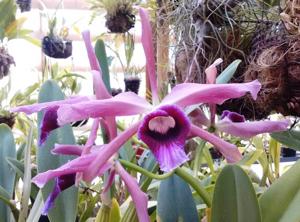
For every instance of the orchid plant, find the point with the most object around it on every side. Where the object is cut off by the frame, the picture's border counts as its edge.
(164, 126)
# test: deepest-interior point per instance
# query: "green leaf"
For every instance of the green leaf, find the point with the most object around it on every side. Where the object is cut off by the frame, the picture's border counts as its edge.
(281, 202)
(7, 174)
(228, 73)
(27, 178)
(234, 197)
(19, 169)
(36, 209)
(289, 138)
(127, 152)
(102, 58)
(175, 201)
(66, 204)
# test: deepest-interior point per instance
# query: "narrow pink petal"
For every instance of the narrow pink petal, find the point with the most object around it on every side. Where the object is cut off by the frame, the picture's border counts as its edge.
(92, 137)
(112, 127)
(90, 51)
(66, 149)
(228, 150)
(250, 129)
(77, 165)
(124, 104)
(109, 181)
(139, 197)
(29, 109)
(211, 71)
(99, 86)
(147, 39)
(105, 195)
(192, 93)
(104, 154)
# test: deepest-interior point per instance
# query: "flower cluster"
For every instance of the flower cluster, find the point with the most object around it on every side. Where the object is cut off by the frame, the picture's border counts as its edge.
(164, 126)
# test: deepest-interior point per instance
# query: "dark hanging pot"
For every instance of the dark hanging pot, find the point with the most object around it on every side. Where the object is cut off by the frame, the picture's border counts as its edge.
(24, 5)
(7, 118)
(5, 61)
(132, 84)
(122, 20)
(56, 47)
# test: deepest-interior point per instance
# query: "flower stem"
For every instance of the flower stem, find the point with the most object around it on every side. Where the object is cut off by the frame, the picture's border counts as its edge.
(196, 185)
(198, 155)
(145, 172)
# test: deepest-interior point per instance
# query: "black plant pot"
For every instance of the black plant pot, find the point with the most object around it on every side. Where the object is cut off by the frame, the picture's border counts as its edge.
(55, 47)
(24, 5)
(115, 91)
(132, 84)
(288, 152)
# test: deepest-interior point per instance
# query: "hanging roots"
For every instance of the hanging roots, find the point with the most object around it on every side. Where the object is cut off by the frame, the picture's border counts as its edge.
(278, 70)
(122, 20)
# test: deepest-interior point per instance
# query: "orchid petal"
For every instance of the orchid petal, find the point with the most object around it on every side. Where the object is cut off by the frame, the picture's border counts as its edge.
(192, 93)
(99, 86)
(149, 53)
(139, 197)
(29, 109)
(79, 164)
(211, 71)
(124, 104)
(250, 129)
(165, 131)
(104, 154)
(92, 137)
(90, 51)
(228, 150)
(61, 183)
(66, 149)
(198, 118)
(105, 195)
(48, 124)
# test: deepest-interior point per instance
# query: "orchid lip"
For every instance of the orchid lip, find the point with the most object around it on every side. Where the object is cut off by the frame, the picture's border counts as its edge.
(164, 131)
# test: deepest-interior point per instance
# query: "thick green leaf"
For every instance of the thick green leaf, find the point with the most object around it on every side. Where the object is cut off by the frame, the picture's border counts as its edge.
(281, 202)
(102, 58)
(289, 138)
(66, 204)
(7, 174)
(234, 197)
(175, 201)
(227, 74)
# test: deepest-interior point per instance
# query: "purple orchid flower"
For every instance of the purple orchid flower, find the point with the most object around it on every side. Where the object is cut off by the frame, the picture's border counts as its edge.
(232, 122)
(164, 127)
(160, 120)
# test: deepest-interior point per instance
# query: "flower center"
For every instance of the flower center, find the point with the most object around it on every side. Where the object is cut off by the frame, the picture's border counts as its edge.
(161, 124)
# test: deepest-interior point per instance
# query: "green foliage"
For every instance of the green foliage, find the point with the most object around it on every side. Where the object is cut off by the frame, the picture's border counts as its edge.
(234, 197)
(175, 201)
(289, 138)
(103, 61)
(281, 202)
(66, 205)
(7, 174)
